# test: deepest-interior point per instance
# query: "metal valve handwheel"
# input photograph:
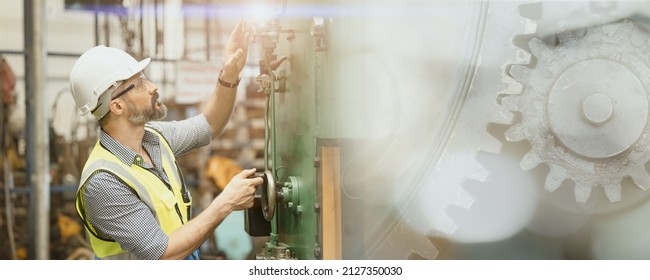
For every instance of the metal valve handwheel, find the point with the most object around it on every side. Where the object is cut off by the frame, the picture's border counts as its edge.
(269, 195)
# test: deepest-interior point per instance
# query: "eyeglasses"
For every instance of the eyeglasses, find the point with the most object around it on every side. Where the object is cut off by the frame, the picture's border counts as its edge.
(141, 80)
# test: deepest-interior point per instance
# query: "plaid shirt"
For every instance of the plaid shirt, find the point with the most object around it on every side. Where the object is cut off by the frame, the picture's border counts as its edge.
(115, 210)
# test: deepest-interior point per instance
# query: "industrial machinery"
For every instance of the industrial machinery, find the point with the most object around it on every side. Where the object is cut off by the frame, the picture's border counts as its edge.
(398, 129)
(288, 201)
(300, 204)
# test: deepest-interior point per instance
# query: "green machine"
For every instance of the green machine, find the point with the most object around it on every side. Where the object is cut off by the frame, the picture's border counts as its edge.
(332, 113)
(299, 205)
(288, 206)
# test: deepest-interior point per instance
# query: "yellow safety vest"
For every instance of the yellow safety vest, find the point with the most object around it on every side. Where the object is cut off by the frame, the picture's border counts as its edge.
(170, 204)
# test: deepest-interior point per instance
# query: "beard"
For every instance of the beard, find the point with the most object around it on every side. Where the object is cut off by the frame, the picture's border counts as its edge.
(142, 115)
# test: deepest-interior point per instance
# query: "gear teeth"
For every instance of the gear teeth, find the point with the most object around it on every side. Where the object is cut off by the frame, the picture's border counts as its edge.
(516, 133)
(503, 117)
(511, 102)
(582, 192)
(566, 37)
(474, 172)
(520, 72)
(531, 11)
(594, 31)
(643, 180)
(394, 247)
(613, 191)
(530, 160)
(554, 178)
(538, 46)
(491, 144)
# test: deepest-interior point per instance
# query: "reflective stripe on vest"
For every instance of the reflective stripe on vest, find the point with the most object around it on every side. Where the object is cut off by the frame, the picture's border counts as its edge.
(165, 205)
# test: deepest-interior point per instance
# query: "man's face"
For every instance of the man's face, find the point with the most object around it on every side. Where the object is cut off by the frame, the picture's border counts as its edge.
(142, 103)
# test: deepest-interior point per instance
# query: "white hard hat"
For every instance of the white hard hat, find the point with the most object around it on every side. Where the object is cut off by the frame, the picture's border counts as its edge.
(97, 73)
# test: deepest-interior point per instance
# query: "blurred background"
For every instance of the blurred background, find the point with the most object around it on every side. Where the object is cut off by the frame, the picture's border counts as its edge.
(415, 129)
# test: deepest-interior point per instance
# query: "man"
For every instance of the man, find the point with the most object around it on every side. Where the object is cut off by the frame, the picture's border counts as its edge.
(131, 197)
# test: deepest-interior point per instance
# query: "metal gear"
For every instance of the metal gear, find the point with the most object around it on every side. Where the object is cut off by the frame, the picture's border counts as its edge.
(452, 209)
(450, 155)
(584, 109)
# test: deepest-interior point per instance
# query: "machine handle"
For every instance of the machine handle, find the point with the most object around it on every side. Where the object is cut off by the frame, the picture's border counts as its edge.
(269, 194)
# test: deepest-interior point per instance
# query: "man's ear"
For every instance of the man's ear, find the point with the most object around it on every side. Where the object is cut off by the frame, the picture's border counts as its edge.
(117, 107)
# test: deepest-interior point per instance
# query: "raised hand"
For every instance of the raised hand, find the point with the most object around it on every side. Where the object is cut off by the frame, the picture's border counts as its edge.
(236, 52)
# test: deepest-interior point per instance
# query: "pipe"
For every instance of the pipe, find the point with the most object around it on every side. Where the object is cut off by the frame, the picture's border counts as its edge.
(208, 32)
(96, 18)
(142, 52)
(8, 184)
(269, 132)
(37, 132)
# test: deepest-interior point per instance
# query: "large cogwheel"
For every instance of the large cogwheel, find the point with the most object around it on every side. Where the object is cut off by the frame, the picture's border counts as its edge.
(584, 109)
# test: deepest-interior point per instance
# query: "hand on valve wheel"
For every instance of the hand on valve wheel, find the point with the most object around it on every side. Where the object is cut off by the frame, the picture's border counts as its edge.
(239, 193)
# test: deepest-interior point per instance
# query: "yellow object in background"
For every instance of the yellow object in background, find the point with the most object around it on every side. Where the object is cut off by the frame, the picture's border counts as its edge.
(67, 227)
(21, 253)
(220, 170)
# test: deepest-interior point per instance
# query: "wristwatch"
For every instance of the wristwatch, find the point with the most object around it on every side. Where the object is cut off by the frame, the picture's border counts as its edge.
(227, 84)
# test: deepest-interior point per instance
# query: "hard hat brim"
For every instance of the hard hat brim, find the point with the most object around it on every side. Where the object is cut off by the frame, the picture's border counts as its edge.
(135, 69)
(101, 108)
